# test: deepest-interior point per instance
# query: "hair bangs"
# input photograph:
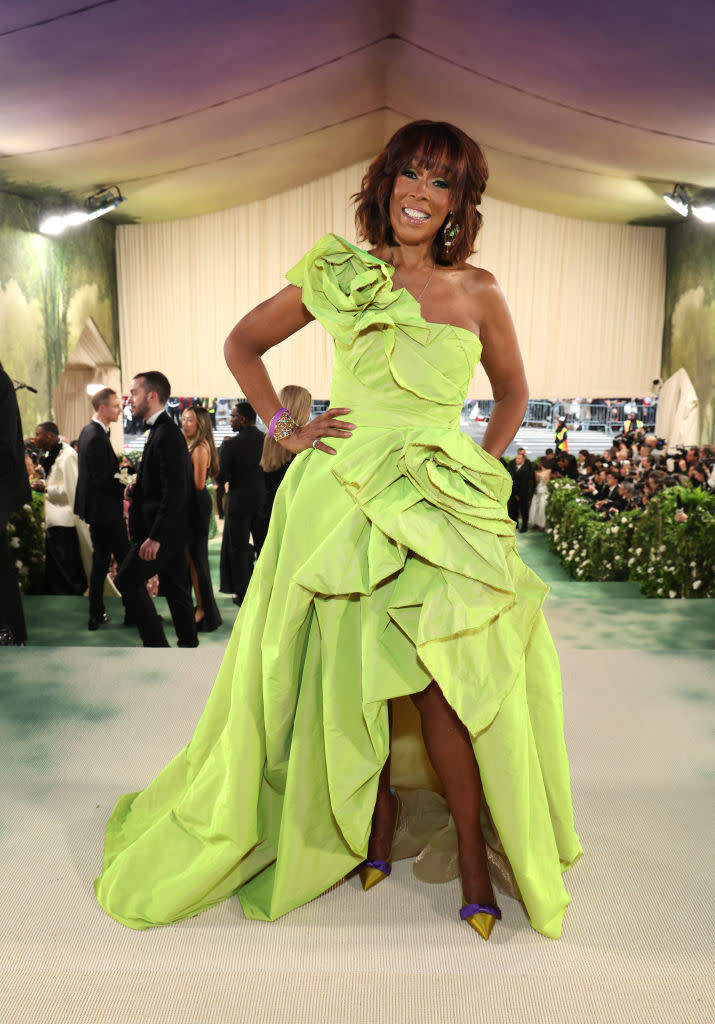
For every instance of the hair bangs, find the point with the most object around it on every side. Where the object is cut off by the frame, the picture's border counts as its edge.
(431, 147)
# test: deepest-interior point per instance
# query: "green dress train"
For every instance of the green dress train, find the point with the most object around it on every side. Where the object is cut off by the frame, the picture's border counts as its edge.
(386, 566)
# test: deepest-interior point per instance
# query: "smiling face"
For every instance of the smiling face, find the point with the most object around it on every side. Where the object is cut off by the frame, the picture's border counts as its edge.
(419, 204)
(188, 423)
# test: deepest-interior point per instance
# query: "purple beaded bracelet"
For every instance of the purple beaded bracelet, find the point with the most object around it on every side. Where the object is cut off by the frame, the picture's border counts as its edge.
(272, 424)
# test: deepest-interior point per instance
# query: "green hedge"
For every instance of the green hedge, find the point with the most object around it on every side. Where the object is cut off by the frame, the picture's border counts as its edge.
(667, 559)
(26, 537)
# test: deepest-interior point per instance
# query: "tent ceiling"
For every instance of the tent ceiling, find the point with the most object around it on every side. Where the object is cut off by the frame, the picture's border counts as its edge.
(192, 107)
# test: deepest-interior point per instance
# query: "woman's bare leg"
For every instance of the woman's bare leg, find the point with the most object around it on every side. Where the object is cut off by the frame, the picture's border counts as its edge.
(383, 817)
(199, 613)
(449, 748)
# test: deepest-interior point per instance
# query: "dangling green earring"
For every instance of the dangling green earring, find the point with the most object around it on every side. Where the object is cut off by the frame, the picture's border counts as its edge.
(450, 230)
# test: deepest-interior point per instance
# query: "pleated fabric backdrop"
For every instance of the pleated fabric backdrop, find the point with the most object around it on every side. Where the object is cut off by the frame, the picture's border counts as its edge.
(587, 298)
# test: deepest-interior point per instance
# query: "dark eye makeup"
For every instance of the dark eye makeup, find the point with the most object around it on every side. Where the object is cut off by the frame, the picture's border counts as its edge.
(409, 172)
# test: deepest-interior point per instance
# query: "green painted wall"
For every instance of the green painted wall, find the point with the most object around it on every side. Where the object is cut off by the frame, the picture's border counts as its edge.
(48, 289)
(689, 331)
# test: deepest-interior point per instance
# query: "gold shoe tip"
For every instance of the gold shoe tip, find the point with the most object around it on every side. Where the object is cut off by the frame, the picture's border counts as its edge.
(482, 923)
(370, 876)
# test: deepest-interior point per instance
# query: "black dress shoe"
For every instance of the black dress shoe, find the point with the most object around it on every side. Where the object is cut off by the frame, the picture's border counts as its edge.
(96, 623)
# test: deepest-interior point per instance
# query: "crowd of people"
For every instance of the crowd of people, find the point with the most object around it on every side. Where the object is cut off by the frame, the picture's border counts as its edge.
(102, 513)
(625, 476)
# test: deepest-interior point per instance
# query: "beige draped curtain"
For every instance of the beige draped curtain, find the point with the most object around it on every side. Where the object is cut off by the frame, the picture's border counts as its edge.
(587, 298)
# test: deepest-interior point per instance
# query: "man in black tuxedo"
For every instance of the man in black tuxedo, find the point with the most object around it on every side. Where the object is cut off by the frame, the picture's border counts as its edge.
(14, 492)
(239, 461)
(159, 519)
(98, 498)
(522, 477)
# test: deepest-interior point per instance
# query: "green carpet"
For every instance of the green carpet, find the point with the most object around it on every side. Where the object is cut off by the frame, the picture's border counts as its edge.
(615, 616)
(62, 621)
(589, 616)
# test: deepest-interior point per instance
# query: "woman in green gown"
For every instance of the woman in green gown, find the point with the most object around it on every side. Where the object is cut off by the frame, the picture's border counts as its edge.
(389, 570)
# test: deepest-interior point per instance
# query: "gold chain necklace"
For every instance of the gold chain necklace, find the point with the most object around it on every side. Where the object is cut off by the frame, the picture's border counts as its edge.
(416, 297)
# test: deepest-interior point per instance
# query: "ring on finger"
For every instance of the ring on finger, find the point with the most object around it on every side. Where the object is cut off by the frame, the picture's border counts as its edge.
(316, 442)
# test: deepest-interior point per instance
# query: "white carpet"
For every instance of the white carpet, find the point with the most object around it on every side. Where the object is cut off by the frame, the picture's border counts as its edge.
(79, 727)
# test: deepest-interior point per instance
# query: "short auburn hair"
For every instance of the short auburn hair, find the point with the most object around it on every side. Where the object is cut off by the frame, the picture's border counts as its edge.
(431, 145)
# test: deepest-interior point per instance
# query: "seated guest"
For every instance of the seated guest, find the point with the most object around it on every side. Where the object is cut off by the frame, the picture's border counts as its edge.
(276, 459)
(597, 488)
(584, 462)
(196, 425)
(64, 573)
(612, 484)
(99, 497)
(240, 469)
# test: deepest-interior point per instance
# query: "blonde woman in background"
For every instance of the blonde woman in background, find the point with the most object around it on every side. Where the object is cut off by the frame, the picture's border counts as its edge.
(276, 459)
(196, 425)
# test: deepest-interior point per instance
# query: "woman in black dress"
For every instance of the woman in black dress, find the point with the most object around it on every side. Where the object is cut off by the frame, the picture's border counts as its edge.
(196, 425)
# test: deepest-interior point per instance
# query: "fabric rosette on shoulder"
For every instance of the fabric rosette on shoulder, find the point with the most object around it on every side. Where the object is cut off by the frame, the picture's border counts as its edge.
(350, 293)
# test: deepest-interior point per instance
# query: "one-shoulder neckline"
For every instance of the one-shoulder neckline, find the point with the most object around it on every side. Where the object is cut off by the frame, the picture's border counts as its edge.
(391, 267)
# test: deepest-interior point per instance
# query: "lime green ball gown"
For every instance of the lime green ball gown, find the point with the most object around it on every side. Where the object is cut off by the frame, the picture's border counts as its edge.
(386, 566)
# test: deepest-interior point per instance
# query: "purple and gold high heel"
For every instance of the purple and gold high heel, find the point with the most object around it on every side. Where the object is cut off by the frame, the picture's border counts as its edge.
(373, 871)
(481, 917)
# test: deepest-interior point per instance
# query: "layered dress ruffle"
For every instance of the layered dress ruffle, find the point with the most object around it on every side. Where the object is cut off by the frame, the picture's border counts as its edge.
(385, 567)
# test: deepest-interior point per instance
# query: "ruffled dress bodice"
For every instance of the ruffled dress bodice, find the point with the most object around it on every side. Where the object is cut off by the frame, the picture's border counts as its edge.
(383, 344)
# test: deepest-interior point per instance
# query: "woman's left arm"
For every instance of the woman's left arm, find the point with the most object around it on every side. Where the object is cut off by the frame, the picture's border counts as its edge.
(503, 366)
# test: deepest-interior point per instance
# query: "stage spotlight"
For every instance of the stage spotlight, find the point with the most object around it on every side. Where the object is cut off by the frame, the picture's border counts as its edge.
(706, 213)
(104, 200)
(678, 200)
